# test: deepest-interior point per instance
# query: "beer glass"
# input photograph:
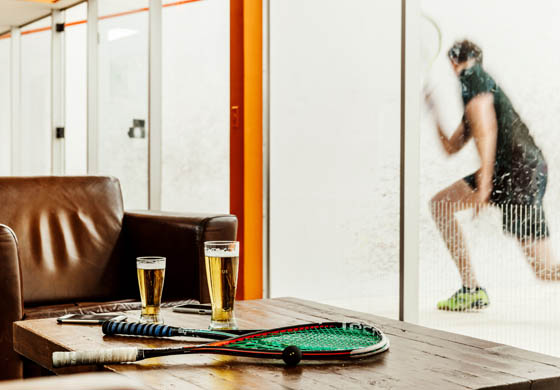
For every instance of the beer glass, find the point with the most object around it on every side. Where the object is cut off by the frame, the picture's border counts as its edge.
(151, 272)
(222, 263)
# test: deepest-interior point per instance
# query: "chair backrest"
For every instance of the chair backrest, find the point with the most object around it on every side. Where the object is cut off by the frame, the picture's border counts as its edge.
(67, 230)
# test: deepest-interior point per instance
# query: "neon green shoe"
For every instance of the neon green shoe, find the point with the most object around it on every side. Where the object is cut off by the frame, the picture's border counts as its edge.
(465, 299)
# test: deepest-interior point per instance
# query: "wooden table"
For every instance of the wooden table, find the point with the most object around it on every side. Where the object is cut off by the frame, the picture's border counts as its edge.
(419, 358)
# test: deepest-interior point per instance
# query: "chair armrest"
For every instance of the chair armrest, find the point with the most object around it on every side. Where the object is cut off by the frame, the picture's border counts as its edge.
(12, 303)
(180, 238)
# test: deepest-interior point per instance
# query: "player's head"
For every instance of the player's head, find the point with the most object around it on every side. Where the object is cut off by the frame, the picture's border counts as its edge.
(463, 54)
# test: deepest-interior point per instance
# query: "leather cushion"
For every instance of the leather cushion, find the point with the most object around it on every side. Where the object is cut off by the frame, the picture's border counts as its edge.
(67, 228)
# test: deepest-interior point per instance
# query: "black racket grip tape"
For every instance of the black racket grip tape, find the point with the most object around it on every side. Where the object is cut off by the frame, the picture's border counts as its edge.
(138, 329)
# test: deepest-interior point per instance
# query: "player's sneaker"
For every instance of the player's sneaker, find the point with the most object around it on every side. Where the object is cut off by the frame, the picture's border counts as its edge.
(465, 299)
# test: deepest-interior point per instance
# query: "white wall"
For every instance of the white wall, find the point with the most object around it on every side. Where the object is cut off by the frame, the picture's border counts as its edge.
(335, 90)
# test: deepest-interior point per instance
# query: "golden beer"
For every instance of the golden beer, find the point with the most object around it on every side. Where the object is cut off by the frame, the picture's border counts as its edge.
(222, 267)
(151, 274)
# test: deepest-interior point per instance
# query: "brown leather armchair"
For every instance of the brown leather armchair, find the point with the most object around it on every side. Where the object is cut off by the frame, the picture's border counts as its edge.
(67, 245)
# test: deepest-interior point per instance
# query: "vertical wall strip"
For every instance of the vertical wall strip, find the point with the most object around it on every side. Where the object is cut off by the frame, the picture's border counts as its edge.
(236, 132)
(92, 87)
(266, 146)
(253, 141)
(15, 99)
(410, 158)
(58, 71)
(154, 107)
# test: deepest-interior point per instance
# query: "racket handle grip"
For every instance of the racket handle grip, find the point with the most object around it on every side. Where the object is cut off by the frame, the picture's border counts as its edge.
(102, 356)
(138, 329)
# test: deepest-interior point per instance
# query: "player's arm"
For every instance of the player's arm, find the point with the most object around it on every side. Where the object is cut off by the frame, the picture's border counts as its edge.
(483, 124)
(457, 140)
(459, 137)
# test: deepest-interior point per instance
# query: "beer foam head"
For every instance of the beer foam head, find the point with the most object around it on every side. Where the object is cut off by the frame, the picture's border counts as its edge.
(216, 252)
(150, 262)
(221, 248)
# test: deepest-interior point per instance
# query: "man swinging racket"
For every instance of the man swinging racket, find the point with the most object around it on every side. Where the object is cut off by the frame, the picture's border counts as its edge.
(513, 171)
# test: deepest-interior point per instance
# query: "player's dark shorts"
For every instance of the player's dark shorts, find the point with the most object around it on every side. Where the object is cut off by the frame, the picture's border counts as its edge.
(520, 198)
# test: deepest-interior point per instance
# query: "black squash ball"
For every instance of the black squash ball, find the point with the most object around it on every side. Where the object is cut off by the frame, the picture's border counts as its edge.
(291, 355)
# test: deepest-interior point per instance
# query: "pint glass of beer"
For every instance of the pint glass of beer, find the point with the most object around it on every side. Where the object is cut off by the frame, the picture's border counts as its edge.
(222, 263)
(151, 272)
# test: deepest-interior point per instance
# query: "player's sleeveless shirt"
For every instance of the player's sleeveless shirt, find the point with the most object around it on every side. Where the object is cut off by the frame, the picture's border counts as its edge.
(518, 159)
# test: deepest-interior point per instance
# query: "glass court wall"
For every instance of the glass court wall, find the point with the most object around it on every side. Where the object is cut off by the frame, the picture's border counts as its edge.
(5, 104)
(515, 40)
(334, 158)
(195, 103)
(32, 155)
(76, 89)
(123, 97)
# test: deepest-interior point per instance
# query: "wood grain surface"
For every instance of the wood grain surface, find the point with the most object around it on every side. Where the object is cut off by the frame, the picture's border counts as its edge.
(419, 358)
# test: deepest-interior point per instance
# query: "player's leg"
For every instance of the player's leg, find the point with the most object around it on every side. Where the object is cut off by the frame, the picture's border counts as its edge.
(530, 226)
(541, 259)
(444, 205)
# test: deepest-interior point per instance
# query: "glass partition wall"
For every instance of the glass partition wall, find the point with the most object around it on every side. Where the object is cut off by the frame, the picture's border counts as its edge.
(334, 152)
(33, 150)
(123, 97)
(492, 79)
(195, 106)
(76, 89)
(5, 106)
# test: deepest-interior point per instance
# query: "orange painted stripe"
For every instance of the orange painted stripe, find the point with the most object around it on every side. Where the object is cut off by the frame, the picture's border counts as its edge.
(253, 184)
(75, 23)
(36, 30)
(179, 3)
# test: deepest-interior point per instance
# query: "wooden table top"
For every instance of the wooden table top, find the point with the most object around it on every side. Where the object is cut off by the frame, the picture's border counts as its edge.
(419, 358)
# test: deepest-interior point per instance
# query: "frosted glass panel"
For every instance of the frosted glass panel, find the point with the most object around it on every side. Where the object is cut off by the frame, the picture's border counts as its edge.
(5, 129)
(195, 172)
(33, 155)
(123, 98)
(512, 244)
(335, 90)
(76, 91)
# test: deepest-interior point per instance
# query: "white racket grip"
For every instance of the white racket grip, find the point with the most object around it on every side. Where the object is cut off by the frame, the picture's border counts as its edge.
(102, 356)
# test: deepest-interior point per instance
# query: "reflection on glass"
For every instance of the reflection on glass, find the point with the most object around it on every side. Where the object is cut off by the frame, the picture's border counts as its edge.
(499, 183)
